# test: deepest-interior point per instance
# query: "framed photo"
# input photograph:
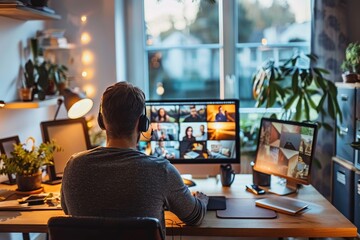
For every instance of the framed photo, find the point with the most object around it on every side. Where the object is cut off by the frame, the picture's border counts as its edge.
(6, 147)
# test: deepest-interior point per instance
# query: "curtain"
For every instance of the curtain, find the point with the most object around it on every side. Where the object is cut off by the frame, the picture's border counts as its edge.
(329, 41)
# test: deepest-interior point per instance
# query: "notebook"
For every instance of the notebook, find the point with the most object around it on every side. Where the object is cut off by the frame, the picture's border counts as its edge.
(282, 204)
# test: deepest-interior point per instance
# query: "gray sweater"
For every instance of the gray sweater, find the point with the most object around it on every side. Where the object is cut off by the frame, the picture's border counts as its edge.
(117, 182)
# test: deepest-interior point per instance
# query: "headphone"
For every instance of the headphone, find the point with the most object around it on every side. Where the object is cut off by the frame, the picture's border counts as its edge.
(144, 122)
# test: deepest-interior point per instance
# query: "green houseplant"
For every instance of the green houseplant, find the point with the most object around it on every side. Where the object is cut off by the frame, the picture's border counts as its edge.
(26, 161)
(296, 85)
(45, 77)
(351, 65)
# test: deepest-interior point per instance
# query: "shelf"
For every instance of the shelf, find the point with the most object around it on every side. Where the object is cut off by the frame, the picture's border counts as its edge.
(67, 47)
(51, 101)
(25, 13)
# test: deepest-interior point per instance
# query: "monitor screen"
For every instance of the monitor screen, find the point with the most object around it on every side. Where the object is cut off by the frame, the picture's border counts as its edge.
(286, 149)
(193, 131)
(71, 135)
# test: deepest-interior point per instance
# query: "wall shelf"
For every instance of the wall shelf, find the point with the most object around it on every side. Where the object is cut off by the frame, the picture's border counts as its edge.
(51, 101)
(25, 13)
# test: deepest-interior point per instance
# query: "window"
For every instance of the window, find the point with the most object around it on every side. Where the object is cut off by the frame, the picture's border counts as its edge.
(188, 44)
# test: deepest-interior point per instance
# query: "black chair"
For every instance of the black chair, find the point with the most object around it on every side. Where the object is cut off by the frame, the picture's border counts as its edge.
(94, 228)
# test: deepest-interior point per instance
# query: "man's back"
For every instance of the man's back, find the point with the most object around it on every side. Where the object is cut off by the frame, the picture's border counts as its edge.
(124, 182)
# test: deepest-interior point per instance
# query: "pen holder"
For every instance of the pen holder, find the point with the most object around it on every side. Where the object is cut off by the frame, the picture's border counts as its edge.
(227, 175)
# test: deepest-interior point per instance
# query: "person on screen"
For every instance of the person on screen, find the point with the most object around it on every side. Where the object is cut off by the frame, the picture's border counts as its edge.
(194, 116)
(189, 137)
(220, 116)
(203, 135)
(158, 133)
(162, 116)
(119, 181)
(161, 151)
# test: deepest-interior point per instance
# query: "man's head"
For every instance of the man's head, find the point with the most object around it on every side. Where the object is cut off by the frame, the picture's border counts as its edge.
(193, 111)
(121, 106)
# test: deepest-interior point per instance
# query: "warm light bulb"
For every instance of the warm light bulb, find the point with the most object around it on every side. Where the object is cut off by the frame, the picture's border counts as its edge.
(87, 57)
(160, 89)
(90, 90)
(85, 38)
(83, 18)
(264, 41)
(84, 74)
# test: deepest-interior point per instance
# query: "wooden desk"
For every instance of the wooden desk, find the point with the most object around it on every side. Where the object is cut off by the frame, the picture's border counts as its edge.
(321, 220)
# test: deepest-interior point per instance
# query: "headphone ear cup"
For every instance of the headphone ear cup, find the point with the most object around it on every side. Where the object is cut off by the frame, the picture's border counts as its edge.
(144, 123)
(101, 121)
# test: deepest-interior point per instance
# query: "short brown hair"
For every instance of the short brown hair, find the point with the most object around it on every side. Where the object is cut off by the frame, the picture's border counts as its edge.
(121, 106)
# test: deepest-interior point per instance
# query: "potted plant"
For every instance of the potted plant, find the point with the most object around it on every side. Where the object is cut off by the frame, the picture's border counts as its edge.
(44, 77)
(26, 161)
(300, 89)
(351, 65)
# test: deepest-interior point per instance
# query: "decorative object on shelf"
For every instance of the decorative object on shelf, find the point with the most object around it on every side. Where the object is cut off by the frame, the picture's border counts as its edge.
(295, 85)
(76, 103)
(45, 77)
(26, 161)
(2, 104)
(351, 65)
(26, 94)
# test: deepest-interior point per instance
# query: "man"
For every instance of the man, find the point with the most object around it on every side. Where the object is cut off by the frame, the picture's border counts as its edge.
(119, 181)
(220, 116)
(160, 151)
(193, 117)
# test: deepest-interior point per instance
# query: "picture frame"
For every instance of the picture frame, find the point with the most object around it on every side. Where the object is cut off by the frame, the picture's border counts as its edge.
(6, 147)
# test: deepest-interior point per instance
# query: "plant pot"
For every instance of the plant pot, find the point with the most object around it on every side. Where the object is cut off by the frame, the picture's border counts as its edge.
(26, 94)
(29, 182)
(349, 77)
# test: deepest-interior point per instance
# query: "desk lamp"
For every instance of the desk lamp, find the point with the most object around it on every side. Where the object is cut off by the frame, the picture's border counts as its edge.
(76, 103)
(2, 104)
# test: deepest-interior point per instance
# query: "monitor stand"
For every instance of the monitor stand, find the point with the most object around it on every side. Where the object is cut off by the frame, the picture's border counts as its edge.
(283, 187)
(53, 178)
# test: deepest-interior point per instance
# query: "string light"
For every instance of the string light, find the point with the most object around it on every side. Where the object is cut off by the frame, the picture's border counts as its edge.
(83, 18)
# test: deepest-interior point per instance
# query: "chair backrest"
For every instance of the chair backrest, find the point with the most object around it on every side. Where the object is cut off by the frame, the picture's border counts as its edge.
(91, 228)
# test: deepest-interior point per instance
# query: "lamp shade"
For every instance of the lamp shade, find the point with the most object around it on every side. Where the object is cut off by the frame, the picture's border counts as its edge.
(76, 103)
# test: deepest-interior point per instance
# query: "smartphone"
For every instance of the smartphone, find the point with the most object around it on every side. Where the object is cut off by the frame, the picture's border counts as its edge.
(35, 200)
(254, 189)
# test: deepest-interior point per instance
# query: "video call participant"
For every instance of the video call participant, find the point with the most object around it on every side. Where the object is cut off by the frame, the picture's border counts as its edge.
(220, 116)
(160, 151)
(189, 135)
(162, 116)
(194, 116)
(119, 181)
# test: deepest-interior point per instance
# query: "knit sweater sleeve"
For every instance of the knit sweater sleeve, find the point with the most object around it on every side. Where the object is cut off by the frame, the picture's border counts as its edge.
(179, 200)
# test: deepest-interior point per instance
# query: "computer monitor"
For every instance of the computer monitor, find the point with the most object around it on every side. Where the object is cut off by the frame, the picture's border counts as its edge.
(192, 132)
(286, 149)
(6, 147)
(72, 136)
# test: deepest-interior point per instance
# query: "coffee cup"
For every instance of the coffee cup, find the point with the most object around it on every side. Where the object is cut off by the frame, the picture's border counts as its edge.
(227, 175)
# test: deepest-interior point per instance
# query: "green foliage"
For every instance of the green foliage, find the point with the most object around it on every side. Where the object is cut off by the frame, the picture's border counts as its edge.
(352, 58)
(28, 162)
(295, 85)
(39, 75)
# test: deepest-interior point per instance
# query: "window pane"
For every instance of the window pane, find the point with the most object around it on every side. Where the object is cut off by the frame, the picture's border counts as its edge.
(186, 22)
(269, 29)
(184, 73)
(277, 21)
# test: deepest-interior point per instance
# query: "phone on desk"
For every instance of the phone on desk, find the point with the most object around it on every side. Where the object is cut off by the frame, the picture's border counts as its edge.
(253, 188)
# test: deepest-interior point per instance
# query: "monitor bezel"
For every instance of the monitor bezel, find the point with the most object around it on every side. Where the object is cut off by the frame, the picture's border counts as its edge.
(235, 160)
(301, 124)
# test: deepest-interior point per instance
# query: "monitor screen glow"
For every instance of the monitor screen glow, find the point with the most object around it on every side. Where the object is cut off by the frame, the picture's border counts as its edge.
(286, 149)
(197, 131)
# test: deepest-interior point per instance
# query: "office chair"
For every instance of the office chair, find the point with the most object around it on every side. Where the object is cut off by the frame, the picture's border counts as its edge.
(94, 228)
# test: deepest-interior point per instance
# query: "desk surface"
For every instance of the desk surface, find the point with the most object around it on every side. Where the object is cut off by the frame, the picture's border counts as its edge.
(320, 220)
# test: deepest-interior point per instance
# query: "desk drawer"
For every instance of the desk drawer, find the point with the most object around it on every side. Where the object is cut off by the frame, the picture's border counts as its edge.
(357, 201)
(343, 190)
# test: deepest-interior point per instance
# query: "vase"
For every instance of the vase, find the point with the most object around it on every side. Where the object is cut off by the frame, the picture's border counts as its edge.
(26, 94)
(29, 182)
